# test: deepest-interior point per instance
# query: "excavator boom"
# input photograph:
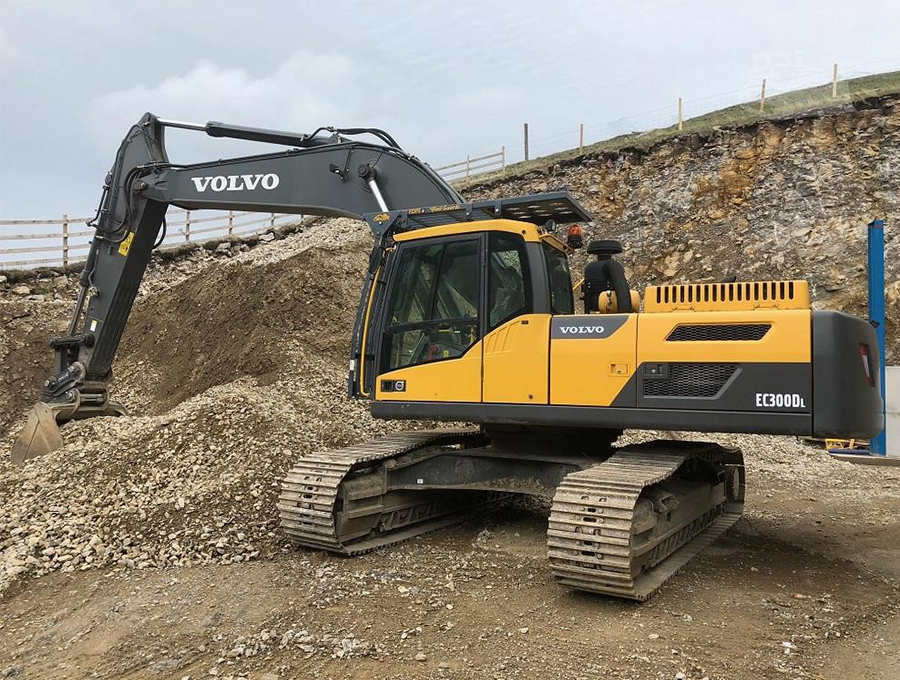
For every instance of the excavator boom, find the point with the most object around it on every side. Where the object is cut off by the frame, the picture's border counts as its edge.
(323, 173)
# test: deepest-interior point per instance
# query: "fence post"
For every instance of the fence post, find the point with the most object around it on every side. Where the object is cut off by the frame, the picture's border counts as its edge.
(762, 97)
(230, 222)
(503, 157)
(526, 141)
(581, 138)
(834, 83)
(187, 225)
(680, 119)
(65, 241)
(468, 164)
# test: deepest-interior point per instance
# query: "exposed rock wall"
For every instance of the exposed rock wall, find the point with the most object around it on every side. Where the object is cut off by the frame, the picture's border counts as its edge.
(787, 198)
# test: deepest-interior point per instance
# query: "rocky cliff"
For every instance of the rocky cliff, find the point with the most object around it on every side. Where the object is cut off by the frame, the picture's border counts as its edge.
(787, 198)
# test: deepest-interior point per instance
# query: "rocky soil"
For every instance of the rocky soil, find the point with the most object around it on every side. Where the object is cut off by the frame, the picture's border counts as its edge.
(146, 548)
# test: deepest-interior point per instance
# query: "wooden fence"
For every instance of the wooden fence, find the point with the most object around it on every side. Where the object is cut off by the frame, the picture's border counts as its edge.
(474, 165)
(71, 238)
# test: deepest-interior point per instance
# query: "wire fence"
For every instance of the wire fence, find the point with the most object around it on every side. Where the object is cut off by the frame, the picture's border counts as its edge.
(68, 238)
(754, 98)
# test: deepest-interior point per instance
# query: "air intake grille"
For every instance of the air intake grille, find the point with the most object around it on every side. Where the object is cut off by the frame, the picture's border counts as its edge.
(690, 380)
(742, 295)
(718, 331)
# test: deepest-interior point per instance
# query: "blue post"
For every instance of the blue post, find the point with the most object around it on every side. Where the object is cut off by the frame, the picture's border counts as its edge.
(877, 445)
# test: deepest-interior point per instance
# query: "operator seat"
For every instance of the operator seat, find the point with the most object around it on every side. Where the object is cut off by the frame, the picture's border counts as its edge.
(605, 289)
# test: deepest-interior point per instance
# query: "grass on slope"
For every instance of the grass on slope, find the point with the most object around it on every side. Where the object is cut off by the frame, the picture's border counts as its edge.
(777, 106)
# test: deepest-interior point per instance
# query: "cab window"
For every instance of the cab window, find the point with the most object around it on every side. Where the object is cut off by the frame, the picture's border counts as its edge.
(433, 313)
(509, 295)
(561, 300)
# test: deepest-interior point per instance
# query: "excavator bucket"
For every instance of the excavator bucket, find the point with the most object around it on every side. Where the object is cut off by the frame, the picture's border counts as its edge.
(40, 435)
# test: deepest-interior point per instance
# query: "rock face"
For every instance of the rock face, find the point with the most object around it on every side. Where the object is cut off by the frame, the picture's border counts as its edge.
(787, 198)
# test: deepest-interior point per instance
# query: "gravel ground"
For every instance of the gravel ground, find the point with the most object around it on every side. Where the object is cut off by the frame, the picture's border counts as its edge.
(147, 546)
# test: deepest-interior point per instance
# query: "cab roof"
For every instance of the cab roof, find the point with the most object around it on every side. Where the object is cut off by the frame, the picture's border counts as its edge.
(538, 209)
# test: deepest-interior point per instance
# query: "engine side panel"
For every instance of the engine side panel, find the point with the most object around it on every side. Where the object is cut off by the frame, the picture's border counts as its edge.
(728, 336)
(727, 360)
(592, 358)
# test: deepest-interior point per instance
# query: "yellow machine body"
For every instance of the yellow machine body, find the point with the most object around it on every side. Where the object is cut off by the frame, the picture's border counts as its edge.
(519, 363)
(716, 356)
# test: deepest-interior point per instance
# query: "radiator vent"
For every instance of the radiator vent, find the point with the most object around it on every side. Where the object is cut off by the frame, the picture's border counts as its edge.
(711, 332)
(690, 380)
(740, 295)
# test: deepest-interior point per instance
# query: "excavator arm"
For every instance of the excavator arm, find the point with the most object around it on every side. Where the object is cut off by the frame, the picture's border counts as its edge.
(323, 173)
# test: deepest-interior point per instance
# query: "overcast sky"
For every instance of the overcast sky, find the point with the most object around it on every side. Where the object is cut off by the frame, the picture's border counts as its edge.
(445, 78)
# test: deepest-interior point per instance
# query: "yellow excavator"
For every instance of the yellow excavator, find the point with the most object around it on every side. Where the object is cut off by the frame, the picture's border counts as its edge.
(468, 314)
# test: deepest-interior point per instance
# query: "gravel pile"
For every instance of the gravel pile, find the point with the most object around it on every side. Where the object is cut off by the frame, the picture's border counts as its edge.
(196, 485)
(229, 409)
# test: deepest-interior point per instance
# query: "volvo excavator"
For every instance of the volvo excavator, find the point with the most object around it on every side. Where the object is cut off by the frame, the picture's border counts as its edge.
(467, 314)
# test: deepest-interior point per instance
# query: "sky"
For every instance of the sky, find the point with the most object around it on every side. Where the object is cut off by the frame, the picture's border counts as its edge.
(445, 78)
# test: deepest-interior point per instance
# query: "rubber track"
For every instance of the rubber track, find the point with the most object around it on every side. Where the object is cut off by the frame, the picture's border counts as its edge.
(590, 531)
(310, 490)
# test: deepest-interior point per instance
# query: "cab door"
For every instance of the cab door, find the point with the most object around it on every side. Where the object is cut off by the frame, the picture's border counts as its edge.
(430, 345)
(516, 357)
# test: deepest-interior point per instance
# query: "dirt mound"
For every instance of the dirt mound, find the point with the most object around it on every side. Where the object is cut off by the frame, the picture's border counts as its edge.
(24, 355)
(240, 368)
(247, 302)
(239, 320)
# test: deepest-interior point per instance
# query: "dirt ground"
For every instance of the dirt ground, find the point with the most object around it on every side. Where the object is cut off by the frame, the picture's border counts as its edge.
(147, 548)
(778, 596)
